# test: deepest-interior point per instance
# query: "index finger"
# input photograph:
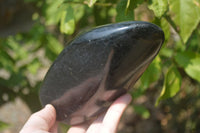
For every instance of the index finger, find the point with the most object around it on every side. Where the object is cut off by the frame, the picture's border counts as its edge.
(114, 113)
(42, 120)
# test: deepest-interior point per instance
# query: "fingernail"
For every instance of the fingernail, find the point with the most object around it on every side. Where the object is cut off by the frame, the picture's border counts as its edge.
(128, 97)
(48, 106)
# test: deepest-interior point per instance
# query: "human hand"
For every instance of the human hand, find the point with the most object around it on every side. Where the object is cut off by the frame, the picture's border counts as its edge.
(44, 121)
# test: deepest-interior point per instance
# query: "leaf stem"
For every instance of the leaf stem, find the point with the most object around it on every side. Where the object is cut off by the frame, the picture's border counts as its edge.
(170, 21)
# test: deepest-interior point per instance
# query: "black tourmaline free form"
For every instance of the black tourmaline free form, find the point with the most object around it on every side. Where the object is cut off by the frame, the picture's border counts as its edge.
(97, 67)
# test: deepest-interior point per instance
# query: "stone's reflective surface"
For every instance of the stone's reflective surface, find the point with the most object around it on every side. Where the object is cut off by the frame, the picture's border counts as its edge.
(97, 67)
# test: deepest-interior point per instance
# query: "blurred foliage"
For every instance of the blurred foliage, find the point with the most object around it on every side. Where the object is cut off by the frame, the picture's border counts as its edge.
(3, 125)
(141, 110)
(26, 56)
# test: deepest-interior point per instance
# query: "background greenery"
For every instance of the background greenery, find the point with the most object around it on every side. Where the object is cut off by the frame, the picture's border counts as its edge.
(27, 53)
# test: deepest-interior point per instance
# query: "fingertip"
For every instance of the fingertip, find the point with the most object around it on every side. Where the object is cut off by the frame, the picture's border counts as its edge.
(48, 113)
(47, 116)
(49, 107)
(41, 120)
(127, 97)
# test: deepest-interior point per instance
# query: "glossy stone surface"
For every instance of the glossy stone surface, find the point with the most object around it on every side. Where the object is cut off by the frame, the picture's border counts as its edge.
(97, 67)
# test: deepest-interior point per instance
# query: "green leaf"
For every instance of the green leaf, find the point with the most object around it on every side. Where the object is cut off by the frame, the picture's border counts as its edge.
(3, 125)
(54, 45)
(141, 110)
(166, 28)
(195, 41)
(138, 92)
(167, 52)
(53, 11)
(122, 13)
(18, 51)
(186, 15)
(159, 7)
(67, 24)
(152, 73)
(128, 4)
(4, 54)
(79, 11)
(34, 66)
(190, 61)
(132, 4)
(91, 2)
(171, 85)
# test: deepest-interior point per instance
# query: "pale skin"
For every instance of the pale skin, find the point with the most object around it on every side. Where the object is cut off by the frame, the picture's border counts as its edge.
(44, 121)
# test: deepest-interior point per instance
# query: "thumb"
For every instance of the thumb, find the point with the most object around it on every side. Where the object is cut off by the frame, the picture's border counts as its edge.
(42, 120)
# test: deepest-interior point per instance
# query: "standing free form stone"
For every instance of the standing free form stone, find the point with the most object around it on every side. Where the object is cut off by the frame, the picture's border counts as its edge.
(97, 67)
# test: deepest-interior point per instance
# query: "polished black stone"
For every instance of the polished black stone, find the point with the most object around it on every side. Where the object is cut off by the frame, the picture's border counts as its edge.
(97, 67)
